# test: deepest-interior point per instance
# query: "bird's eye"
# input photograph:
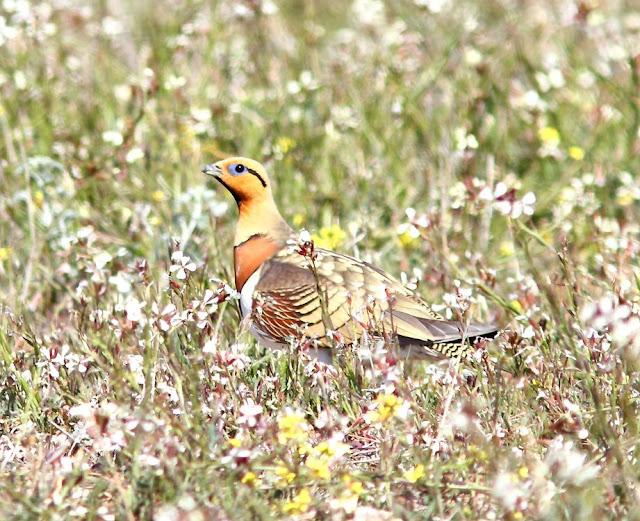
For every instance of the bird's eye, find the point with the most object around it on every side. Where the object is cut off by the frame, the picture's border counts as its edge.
(238, 169)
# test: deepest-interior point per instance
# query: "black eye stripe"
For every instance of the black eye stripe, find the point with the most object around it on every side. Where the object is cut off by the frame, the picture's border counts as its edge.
(251, 171)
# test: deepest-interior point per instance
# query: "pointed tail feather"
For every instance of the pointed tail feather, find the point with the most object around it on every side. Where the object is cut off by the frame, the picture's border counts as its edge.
(426, 331)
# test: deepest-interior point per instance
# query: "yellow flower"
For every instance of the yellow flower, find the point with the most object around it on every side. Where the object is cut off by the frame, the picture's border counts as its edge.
(285, 475)
(353, 485)
(319, 466)
(250, 479)
(187, 136)
(304, 449)
(235, 442)
(546, 234)
(576, 153)
(331, 448)
(506, 249)
(299, 504)
(414, 474)
(5, 253)
(323, 455)
(292, 426)
(516, 306)
(518, 515)
(329, 237)
(549, 136)
(158, 196)
(284, 144)
(478, 453)
(298, 220)
(154, 220)
(387, 406)
(523, 472)
(408, 235)
(348, 499)
(38, 198)
(324, 448)
(407, 240)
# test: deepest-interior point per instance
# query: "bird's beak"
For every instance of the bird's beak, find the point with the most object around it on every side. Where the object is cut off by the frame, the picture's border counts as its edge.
(212, 169)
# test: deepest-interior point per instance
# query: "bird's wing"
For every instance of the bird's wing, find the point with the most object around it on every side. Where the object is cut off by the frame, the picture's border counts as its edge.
(352, 295)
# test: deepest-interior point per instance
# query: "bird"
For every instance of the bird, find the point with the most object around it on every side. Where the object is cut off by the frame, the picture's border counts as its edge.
(291, 289)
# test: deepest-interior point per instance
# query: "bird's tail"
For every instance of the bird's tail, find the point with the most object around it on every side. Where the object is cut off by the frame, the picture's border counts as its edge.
(439, 338)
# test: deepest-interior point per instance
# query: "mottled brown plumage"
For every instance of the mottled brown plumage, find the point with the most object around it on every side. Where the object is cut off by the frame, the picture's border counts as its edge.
(357, 295)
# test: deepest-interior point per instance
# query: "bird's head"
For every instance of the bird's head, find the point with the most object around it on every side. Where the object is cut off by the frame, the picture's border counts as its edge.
(245, 178)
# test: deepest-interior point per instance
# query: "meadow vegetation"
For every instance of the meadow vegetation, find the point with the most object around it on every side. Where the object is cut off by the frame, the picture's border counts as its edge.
(486, 152)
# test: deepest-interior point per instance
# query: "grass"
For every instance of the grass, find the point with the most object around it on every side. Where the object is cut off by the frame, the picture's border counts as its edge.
(411, 134)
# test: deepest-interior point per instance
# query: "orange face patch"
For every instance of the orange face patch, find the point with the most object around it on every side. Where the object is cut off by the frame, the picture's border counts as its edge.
(244, 178)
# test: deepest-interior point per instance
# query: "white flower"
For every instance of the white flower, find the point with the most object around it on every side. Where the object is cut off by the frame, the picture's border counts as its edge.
(566, 464)
(472, 56)
(307, 80)
(7, 32)
(112, 26)
(175, 82)
(509, 491)
(82, 410)
(73, 362)
(54, 358)
(620, 322)
(241, 10)
(435, 6)
(464, 141)
(20, 80)
(102, 259)
(122, 93)
(203, 115)
(343, 117)
(133, 310)
(293, 87)
(304, 236)
(269, 8)
(121, 281)
(506, 202)
(148, 460)
(528, 202)
(135, 364)
(134, 155)
(113, 137)
(210, 346)
(181, 265)
(369, 12)
(166, 318)
(169, 391)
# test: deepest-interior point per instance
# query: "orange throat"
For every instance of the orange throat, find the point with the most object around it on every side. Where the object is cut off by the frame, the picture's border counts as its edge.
(249, 256)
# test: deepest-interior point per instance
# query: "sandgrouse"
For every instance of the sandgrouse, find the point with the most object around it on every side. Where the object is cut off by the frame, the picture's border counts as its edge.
(284, 295)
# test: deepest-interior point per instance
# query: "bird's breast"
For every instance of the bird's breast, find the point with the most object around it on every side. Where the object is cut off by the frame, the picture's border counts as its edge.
(250, 255)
